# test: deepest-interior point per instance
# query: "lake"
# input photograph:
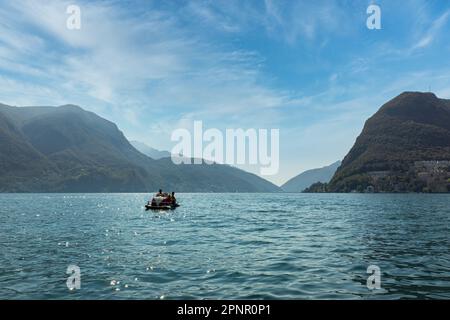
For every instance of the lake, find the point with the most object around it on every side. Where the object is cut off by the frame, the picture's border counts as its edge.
(225, 246)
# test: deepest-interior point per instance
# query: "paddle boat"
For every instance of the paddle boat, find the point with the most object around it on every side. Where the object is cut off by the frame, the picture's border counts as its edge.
(162, 202)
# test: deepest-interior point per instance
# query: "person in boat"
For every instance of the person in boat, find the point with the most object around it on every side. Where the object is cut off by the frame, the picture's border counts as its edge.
(167, 199)
(152, 201)
(172, 198)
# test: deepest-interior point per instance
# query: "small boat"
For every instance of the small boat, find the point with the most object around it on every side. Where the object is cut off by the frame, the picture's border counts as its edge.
(161, 203)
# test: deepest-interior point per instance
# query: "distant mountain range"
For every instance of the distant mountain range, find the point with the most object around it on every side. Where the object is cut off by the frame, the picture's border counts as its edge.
(149, 151)
(68, 149)
(307, 178)
(404, 147)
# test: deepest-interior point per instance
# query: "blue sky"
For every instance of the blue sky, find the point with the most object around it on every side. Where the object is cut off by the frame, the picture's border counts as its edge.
(310, 68)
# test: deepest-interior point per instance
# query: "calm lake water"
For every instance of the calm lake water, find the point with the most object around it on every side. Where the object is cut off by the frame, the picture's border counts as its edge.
(246, 246)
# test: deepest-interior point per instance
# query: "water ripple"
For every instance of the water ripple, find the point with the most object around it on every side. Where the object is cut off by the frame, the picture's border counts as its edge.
(246, 246)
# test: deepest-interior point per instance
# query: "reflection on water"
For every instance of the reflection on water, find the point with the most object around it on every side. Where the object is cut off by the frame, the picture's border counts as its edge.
(255, 246)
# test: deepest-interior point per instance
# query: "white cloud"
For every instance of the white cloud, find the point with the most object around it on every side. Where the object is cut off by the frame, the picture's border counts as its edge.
(305, 20)
(430, 35)
(151, 59)
(30, 94)
(288, 21)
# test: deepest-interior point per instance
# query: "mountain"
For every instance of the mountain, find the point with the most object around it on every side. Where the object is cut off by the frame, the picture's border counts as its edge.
(307, 178)
(149, 151)
(404, 147)
(68, 149)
